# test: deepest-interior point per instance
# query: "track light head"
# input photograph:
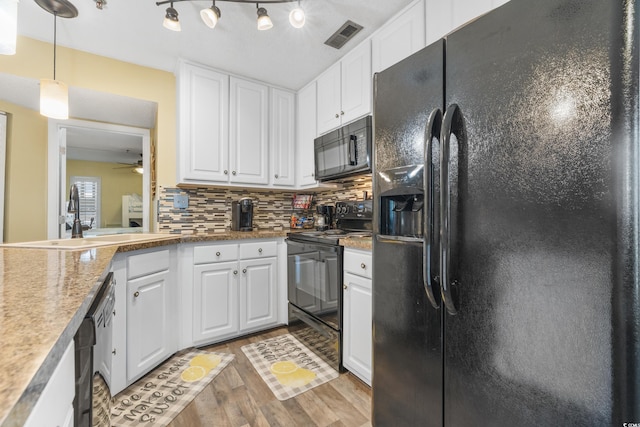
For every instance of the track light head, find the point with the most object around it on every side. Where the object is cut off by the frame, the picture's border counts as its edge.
(296, 17)
(171, 20)
(264, 22)
(210, 15)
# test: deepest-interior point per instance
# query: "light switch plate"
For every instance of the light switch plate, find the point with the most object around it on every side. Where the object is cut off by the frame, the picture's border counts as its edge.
(180, 201)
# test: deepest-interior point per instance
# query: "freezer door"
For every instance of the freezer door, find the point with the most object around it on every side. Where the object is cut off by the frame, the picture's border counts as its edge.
(407, 347)
(543, 255)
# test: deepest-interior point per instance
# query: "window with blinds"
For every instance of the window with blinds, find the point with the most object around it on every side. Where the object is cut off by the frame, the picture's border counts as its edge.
(89, 192)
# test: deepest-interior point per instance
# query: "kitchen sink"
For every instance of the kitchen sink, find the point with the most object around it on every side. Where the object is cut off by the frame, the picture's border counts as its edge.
(91, 242)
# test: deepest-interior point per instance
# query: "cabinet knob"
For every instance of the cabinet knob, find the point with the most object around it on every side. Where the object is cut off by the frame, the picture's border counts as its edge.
(136, 294)
(276, 175)
(235, 271)
(260, 250)
(217, 253)
(233, 172)
(113, 351)
(337, 115)
(313, 174)
(344, 287)
(363, 266)
(244, 270)
(226, 172)
(342, 113)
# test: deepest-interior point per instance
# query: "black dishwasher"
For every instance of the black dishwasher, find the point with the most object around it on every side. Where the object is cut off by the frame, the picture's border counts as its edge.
(96, 327)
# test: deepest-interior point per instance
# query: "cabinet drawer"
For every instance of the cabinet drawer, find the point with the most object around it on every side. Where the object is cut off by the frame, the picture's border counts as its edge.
(215, 253)
(258, 250)
(358, 263)
(148, 263)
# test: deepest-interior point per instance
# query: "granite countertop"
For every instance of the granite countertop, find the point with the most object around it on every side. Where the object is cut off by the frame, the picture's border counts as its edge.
(357, 242)
(45, 294)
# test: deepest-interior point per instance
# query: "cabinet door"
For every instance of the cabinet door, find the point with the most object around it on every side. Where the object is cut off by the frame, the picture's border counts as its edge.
(204, 125)
(444, 17)
(306, 133)
(151, 329)
(282, 138)
(466, 10)
(329, 100)
(357, 326)
(258, 293)
(248, 134)
(357, 85)
(399, 38)
(215, 301)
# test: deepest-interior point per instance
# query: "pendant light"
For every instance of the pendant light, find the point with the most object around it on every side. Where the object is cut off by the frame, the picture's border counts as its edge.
(171, 21)
(210, 15)
(264, 22)
(54, 94)
(8, 26)
(296, 17)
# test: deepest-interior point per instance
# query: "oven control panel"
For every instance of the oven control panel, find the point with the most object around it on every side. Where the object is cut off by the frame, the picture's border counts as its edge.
(354, 210)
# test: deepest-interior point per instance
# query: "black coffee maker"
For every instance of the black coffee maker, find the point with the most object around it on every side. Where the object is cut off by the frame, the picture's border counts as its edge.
(242, 215)
(325, 218)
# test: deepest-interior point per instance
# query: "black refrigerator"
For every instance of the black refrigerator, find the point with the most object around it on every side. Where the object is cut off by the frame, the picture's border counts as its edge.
(506, 182)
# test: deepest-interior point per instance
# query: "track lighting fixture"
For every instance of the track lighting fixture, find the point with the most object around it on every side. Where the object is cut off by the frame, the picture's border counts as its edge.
(171, 21)
(211, 15)
(264, 22)
(296, 17)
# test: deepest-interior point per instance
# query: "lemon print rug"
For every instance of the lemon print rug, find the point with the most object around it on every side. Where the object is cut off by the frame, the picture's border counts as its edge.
(287, 366)
(158, 397)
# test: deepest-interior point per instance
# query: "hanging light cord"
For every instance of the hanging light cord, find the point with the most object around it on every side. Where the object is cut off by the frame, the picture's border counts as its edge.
(55, 31)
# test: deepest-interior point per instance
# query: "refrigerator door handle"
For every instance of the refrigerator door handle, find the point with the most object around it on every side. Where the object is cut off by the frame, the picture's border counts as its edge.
(452, 124)
(429, 273)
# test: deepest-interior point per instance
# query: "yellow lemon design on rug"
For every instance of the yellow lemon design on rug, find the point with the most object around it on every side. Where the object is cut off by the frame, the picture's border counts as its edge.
(289, 374)
(206, 361)
(193, 373)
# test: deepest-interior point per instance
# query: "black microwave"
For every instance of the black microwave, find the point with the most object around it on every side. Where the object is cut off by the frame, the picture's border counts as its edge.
(345, 151)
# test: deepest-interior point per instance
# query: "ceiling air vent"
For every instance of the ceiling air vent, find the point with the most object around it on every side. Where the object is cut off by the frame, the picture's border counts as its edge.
(343, 35)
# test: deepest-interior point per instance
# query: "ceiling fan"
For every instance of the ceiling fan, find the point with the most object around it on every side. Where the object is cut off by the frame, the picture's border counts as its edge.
(135, 167)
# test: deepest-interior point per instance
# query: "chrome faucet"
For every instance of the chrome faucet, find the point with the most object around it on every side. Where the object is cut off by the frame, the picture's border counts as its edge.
(74, 207)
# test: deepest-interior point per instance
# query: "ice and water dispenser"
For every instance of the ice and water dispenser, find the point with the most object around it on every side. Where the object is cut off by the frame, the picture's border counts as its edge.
(401, 201)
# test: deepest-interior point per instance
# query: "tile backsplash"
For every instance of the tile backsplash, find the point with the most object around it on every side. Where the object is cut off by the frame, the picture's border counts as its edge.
(209, 209)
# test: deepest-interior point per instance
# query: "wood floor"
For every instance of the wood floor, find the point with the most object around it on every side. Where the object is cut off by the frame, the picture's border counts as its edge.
(239, 397)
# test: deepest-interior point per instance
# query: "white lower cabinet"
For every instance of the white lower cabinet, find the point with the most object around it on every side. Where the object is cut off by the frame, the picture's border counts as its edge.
(231, 298)
(215, 300)
(357, 313)
(145, 326)
(55, 405)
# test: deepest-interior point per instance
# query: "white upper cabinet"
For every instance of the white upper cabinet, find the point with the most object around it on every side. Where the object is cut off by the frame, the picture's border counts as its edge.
(344, 91)
(399, 38)
(282, 138)
(306, 133)
(203, 124)
(442, 17)
(329, 103)
(248, 132)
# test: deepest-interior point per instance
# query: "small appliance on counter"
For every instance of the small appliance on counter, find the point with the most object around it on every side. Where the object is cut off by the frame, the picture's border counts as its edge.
(324, 220)
(242, 215)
